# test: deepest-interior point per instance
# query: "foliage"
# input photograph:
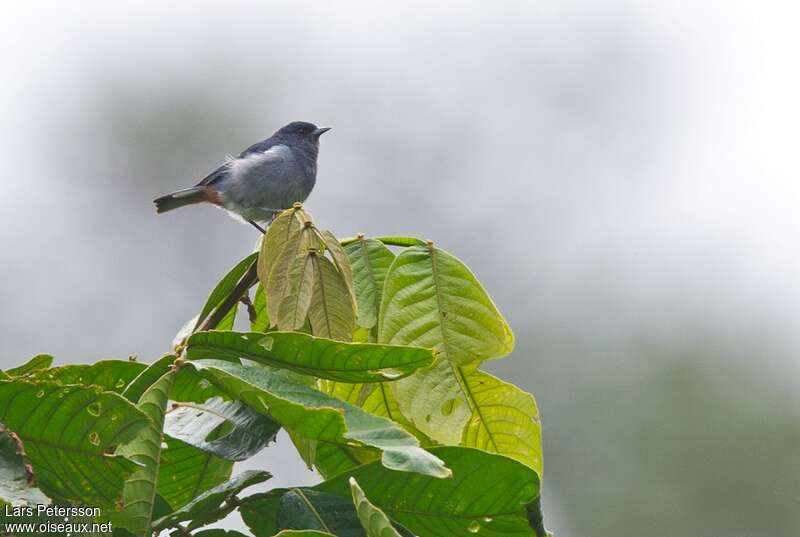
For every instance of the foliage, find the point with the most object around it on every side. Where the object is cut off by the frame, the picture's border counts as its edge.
(367, 351)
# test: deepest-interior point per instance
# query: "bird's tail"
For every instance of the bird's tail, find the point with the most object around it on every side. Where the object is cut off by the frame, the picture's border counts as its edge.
(187, 196)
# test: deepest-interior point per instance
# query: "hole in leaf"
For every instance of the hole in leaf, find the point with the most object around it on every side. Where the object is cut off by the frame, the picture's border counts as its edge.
(94, 438)
(390, 373)
(94, 409)
(266, 342)
(474, 527)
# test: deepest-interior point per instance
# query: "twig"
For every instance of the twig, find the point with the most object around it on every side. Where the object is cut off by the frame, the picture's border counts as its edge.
(245, 283)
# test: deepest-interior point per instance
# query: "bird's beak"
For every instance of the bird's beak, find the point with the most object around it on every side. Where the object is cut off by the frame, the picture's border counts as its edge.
(322, 130)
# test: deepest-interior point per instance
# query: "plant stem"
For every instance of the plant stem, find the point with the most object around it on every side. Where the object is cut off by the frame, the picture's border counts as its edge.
(248, 280)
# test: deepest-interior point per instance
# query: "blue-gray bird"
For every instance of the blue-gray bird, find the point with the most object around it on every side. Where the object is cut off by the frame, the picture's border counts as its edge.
(262, 180)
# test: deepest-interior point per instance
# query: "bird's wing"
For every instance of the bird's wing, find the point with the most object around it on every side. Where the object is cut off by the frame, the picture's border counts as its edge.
(259, 147)
(272, 163)
(216, 175)
(260, 154)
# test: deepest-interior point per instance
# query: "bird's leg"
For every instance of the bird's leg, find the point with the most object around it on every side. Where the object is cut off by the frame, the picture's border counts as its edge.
(261, 229)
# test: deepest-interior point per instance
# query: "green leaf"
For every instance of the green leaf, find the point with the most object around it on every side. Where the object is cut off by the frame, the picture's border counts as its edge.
(505, 419)
(331, 312)
(193, 423)
(300, 510)
(320, 357)
(68, 433)
(216, 532)
(314, 415)
(40, 361)
(452, 402)
(111, 375)
(261, 322)
(376, 398)
(389, 240)
(370, 261)
(431, 299)
(206, 507)
(488, 495)
(142, 382)
(227, 322)
(186, 472)
(306, 509)
(139, 493)
(303, 533)
(17, 482)
(372, 518)
(224, 288)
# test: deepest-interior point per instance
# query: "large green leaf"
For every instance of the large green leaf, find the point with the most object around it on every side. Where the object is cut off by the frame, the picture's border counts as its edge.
(186, 472)
(370, 261)
(376, 398)
(142, 382)
(372, 518)
(431, 299)
(303, 533)
(68, 433)
(464, 406)
(17, 482)
(331, 310)
(194, 423)
(139, 493)
(320, 357)
(489, 495)
(316, 416)
(206, 507)
(282, 511)
(40, 361)
(305, 509)
(393, 240)
(224, 288)
(216, 532)
(505, 419)
(111, 375)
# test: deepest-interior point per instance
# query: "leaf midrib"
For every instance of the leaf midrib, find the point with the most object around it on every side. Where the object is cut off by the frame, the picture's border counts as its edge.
(463, 384)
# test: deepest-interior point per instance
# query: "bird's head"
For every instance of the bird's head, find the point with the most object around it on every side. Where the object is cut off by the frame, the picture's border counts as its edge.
(301, 131)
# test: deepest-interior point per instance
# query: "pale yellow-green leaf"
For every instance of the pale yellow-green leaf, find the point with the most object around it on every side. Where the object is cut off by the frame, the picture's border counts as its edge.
(279, 233)
(432, 299)
(293, 308)
(341, 261)
(435, 402)
(279, 285)
(331, 312)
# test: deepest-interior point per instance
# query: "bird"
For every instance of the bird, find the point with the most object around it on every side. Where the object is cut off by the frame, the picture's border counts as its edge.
(263, 180)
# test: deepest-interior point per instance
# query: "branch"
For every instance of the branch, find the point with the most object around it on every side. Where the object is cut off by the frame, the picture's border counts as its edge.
(248, 280)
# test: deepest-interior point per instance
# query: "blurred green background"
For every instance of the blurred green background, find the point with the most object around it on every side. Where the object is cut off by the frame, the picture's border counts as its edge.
(622, 176)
